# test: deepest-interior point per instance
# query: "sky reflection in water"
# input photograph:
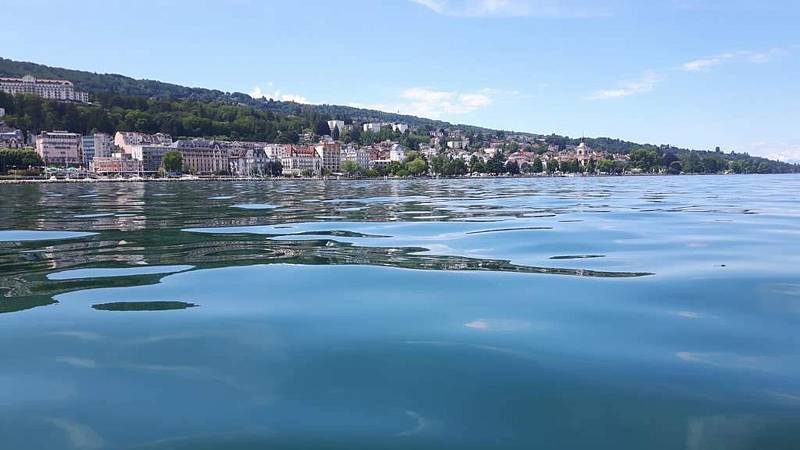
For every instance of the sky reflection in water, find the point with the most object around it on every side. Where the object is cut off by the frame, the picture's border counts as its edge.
(619, 313)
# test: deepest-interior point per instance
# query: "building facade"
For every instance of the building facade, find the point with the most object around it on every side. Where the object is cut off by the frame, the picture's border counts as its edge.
(356, 155)
(61, 90)
(204, 157)
(400, 127)
(302, 161)
(249, 162)
(59, 148)
(336, 124)
(331, 154)
(129, 140)
(11, 138)
(372, 127)
(120, 165)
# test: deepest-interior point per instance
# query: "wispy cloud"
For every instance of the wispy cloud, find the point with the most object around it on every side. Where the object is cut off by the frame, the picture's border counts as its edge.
(786, 151)
(652, 77)
(434, 103)
(640, 86)
(276, 94)
(704, 64)
(518, 8)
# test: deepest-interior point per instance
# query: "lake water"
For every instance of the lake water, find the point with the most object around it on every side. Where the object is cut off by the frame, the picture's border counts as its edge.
(548, 313)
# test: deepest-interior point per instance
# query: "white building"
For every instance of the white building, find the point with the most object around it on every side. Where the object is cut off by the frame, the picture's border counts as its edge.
(247, 162)
(458, 144)
(62, 90)
(59, 148)
(400, 127)
(397, 153)
(301, 161)
(372, 127)
(356, 155)
(336, 124)
(129, 140)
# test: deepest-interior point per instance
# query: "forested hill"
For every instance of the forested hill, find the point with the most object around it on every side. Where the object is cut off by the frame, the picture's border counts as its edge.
(123, 103)
(96, 83)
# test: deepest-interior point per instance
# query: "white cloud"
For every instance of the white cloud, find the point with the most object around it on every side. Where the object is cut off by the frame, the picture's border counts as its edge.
(276, 94)
(704, 64)
(517, 8)
(640, 86)
(433, 103)
(786, 151)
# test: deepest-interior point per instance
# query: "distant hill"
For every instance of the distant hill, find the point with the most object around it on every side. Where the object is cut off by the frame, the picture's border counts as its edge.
(95, 83)
(205, 112)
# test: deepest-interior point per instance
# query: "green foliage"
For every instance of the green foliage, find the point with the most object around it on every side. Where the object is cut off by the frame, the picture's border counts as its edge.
(172, 161)
(14, 158)
(476, 165)
(124, 104)
(350, 167)
(537, 166)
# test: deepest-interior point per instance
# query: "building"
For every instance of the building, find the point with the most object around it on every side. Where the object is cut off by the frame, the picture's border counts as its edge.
(400, 127)
(11, 137)
(96, 145)
(301, 160)
(59, 148)
(129, 140)
(331, 154)
(2, 112)
(397, 153)
(277, 151)
(458, 144)
(118, 164)
(356, 155)
(336, 124)
(372, 127)
(204, 157)
(61, 90)
(150, 157)
(249, 162)
(582, 153)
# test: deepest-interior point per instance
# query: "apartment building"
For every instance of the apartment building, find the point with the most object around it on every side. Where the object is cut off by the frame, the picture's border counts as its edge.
(61, 90)
(59, 148)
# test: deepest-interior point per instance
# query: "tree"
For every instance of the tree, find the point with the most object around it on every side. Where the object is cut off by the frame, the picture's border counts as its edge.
(496, 164)
(322, 128)
(19, 159)
(537, 166)
(417, 166)
(476, 165)
(456, 167)
(691, 163)
(172, 161)
(512, 167)
(591, 166)
(275, 168)
(350, 168)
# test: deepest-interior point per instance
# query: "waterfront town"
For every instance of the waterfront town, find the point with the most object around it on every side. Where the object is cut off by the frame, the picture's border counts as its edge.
(328, 150)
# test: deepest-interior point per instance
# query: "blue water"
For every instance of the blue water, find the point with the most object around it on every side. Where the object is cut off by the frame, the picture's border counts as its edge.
(548, 313)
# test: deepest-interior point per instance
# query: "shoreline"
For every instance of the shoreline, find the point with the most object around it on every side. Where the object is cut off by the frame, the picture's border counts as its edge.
(213, 178)
(280, 179)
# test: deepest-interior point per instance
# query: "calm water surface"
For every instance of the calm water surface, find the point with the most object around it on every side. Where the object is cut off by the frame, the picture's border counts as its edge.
(602, 313)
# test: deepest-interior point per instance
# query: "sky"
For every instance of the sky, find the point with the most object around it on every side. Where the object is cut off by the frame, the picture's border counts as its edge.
(691, 73)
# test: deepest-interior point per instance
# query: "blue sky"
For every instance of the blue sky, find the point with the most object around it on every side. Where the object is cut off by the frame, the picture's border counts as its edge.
(695, 73)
